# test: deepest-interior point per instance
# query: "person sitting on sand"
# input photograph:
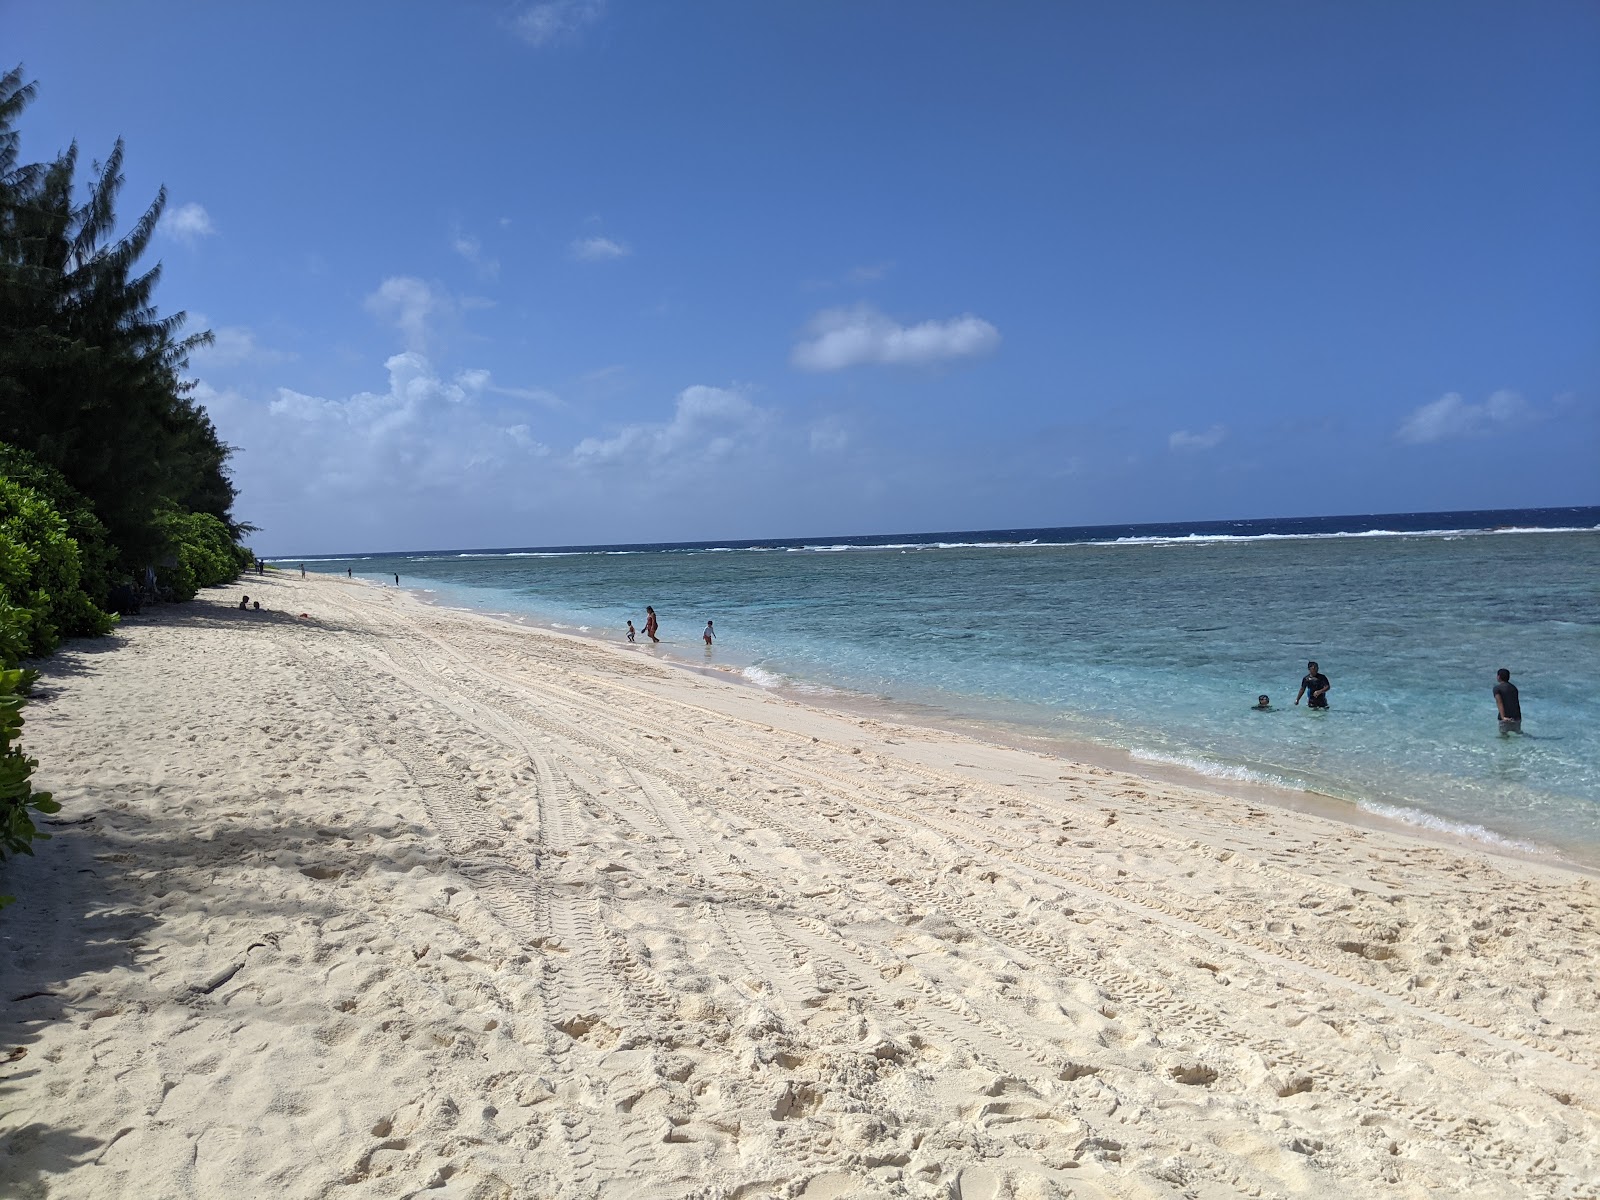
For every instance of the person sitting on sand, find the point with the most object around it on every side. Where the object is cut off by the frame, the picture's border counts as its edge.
(1263, 703)
(1317, 684)
(708, 633)
(630, 631)
(1506, 702)
(245, 603)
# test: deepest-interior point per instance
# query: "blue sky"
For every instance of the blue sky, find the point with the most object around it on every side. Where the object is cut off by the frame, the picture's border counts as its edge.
(611, 270)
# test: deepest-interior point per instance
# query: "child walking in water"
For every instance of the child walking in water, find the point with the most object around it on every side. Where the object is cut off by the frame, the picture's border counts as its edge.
(630, 631)
(650, 623)
(707, 634)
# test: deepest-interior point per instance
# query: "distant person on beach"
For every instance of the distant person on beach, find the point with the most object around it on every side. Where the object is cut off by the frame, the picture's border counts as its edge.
(397, 581)
(302, 570)
(708, 634)
(348, 573)
(1506, 702)
(256, 604)
(1263, 703)
(1317, 684)
(630, 631)
(651, 624)
(245, 603)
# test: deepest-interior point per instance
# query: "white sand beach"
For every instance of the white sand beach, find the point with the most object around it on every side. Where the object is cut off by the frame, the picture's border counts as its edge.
(395, 900)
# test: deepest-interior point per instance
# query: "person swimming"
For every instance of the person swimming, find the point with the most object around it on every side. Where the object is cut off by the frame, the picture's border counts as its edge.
(1263, 702)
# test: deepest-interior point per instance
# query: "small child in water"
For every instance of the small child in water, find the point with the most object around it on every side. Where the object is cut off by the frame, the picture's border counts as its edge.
(707, 634)
(630, 631)
(1263, 702)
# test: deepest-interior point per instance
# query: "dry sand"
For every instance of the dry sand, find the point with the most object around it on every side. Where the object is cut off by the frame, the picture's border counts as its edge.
(398, 901)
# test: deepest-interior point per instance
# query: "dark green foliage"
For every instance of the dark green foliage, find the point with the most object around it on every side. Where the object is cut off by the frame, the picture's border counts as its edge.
(40, 575)
(107, 464)
(95, 552)
(17, 797)
(91, 376)
(200, 552)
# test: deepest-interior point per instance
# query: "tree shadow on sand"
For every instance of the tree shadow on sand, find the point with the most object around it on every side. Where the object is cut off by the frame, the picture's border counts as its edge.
(90, 902)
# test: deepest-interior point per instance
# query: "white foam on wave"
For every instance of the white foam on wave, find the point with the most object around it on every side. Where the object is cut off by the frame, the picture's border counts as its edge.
(1438, 824)
(764, 678)
(1213, 770)
(1194, 539)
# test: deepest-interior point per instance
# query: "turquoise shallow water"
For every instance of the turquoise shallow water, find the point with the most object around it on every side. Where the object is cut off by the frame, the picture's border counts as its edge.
(1156, 644)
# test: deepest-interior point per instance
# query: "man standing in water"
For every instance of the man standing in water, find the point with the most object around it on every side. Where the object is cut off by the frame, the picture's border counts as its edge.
(1506, 702)
(1317, 684)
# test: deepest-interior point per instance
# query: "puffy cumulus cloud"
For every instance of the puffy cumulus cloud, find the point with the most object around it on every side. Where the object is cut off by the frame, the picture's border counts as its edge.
(553, 21)
(598, 249)
(847, 337)
(1182, 439)
(307, 457)
(411, 306)
(708, 424)
(187, 223)
(1451, 416)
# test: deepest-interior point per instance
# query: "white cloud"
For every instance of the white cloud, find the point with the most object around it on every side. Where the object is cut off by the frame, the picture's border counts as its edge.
(556, 20)
(708, 423)
(1182, 439)
(847, 337)
(1450, 416)
(598, 249)
(386, 450)
(187, 223)
(471, 249)
(232, 346)
(409, 305)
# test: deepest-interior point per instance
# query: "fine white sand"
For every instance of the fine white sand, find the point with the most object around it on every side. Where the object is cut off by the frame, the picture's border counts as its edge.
(396, 900)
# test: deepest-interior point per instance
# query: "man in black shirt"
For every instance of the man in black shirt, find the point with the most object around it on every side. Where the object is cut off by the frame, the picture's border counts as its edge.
(1317, 684)
(1506, 702)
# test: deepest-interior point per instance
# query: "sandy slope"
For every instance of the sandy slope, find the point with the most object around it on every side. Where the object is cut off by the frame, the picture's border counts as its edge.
(398, 898)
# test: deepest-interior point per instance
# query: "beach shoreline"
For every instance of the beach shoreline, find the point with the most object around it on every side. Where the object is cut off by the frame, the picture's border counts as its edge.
(1583, 858)
(393, 896)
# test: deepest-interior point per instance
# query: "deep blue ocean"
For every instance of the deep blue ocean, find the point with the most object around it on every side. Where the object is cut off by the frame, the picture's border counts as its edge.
(1153, 640)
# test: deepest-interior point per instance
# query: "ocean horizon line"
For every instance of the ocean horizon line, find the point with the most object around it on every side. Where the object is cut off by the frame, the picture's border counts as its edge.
(1407, 524)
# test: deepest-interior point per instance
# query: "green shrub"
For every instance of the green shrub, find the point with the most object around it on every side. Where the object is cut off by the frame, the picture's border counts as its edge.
(41, 573)
(96, 553)
(18, 800)
(200, 552)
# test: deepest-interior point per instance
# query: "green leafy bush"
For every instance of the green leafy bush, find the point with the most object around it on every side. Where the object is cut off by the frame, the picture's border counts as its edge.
(41, 574)
(96, 553)
(18, 800)
(200, 552)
